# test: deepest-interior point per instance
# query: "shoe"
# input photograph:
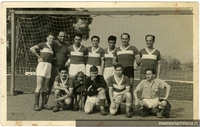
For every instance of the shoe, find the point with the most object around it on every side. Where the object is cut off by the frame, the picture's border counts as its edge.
(103, 112)
(119, 110)
(160, 113)
(45, 106)
(56, 108)
(96, 108)
(37, 108)
(75, 108)
(128, 114)
(144, 112)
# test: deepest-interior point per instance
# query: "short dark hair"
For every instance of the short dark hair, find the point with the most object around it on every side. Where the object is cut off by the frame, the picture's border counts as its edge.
(125, 34)
(63, 68)
(49, 33)
(118, 65)
(113, 38)
(95, 37)
(151, 69)
(78, 35)
(93, 68)
(149, 35)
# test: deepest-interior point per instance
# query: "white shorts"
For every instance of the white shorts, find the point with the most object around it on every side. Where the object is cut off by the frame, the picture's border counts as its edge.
(93, 99)
(117, 98)
(88, 66)
(108, 71)
(151, 102)
(75, 68)
(44, 69)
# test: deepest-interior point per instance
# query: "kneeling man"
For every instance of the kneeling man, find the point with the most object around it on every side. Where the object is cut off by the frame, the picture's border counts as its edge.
(119, 91)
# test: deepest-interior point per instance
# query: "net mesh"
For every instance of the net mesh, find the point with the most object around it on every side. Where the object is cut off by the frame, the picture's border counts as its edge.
(31, 31)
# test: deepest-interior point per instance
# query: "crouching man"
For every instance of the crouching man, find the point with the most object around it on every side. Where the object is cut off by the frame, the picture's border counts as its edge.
(63, 90)
(119, 90)
(150, 100)
(95, 90)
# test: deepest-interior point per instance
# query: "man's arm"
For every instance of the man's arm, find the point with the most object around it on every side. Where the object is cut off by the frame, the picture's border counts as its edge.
(159, 68)
(138, 59)
(114, 61)
(33, 50)
(135, 96)
(68, 63)
(102, 65)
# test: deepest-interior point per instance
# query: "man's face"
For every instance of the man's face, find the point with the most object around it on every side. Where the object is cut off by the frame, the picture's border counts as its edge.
(149, 75)
(61, 37)
(93, 75)
(111, 44)
(118, 71)
(50, 39)
(63, 74)
(125, 40)
(77, 40)
(95, 42)
(149, 41)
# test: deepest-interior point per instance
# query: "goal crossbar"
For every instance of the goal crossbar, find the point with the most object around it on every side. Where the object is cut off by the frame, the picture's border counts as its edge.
(135, 11)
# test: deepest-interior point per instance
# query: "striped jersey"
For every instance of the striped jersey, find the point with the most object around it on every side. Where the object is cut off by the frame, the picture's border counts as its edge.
(118, 86)
(94, 56)
(108, 57)
(77, 56)
(64, 83)
(126, 56)
(46, 52)
(149, 59)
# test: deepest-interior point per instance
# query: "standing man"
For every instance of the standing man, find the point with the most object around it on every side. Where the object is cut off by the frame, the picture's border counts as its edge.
(95, 56)
(60, 49)
(77, 56)
(150, 57)
(109, 53)
(43, 70)
(108, 67)
(125, 55)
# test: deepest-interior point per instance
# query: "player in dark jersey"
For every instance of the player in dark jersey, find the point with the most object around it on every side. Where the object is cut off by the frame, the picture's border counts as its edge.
(60, 49)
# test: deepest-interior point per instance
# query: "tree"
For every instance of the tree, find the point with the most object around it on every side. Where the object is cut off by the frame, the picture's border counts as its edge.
(169, 62)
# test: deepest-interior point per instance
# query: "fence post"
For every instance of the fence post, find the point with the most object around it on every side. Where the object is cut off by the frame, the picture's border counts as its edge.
(12, 85)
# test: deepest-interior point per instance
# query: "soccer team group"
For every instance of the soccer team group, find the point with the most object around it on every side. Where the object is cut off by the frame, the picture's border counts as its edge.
(93, 78)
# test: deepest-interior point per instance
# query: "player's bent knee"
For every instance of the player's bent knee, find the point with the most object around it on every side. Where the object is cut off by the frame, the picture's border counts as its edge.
(102, 91)
(68, 101)
(87, 110)
(113, 111)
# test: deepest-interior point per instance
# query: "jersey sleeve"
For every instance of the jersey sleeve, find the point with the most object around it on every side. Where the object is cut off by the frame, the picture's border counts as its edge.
(159, 57)
(127, 81)
(162, 84)
(56, 79)
(140, 86)
(41, 45)
(136, 52)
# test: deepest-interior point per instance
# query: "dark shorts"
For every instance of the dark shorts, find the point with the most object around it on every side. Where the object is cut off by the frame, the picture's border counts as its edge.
(129, 72)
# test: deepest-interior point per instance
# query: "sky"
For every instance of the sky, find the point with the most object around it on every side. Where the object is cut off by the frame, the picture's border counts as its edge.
(174, 33)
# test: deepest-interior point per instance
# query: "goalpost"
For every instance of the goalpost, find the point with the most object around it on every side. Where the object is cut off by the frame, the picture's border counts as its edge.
(23, 36)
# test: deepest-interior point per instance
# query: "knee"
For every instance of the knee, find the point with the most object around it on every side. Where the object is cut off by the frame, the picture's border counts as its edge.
(87, 110)
(113, 111)
(68, 101)
(128, 95)
(102, 91)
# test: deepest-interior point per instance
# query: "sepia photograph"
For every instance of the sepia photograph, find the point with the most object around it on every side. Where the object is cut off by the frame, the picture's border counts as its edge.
(99, 63)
